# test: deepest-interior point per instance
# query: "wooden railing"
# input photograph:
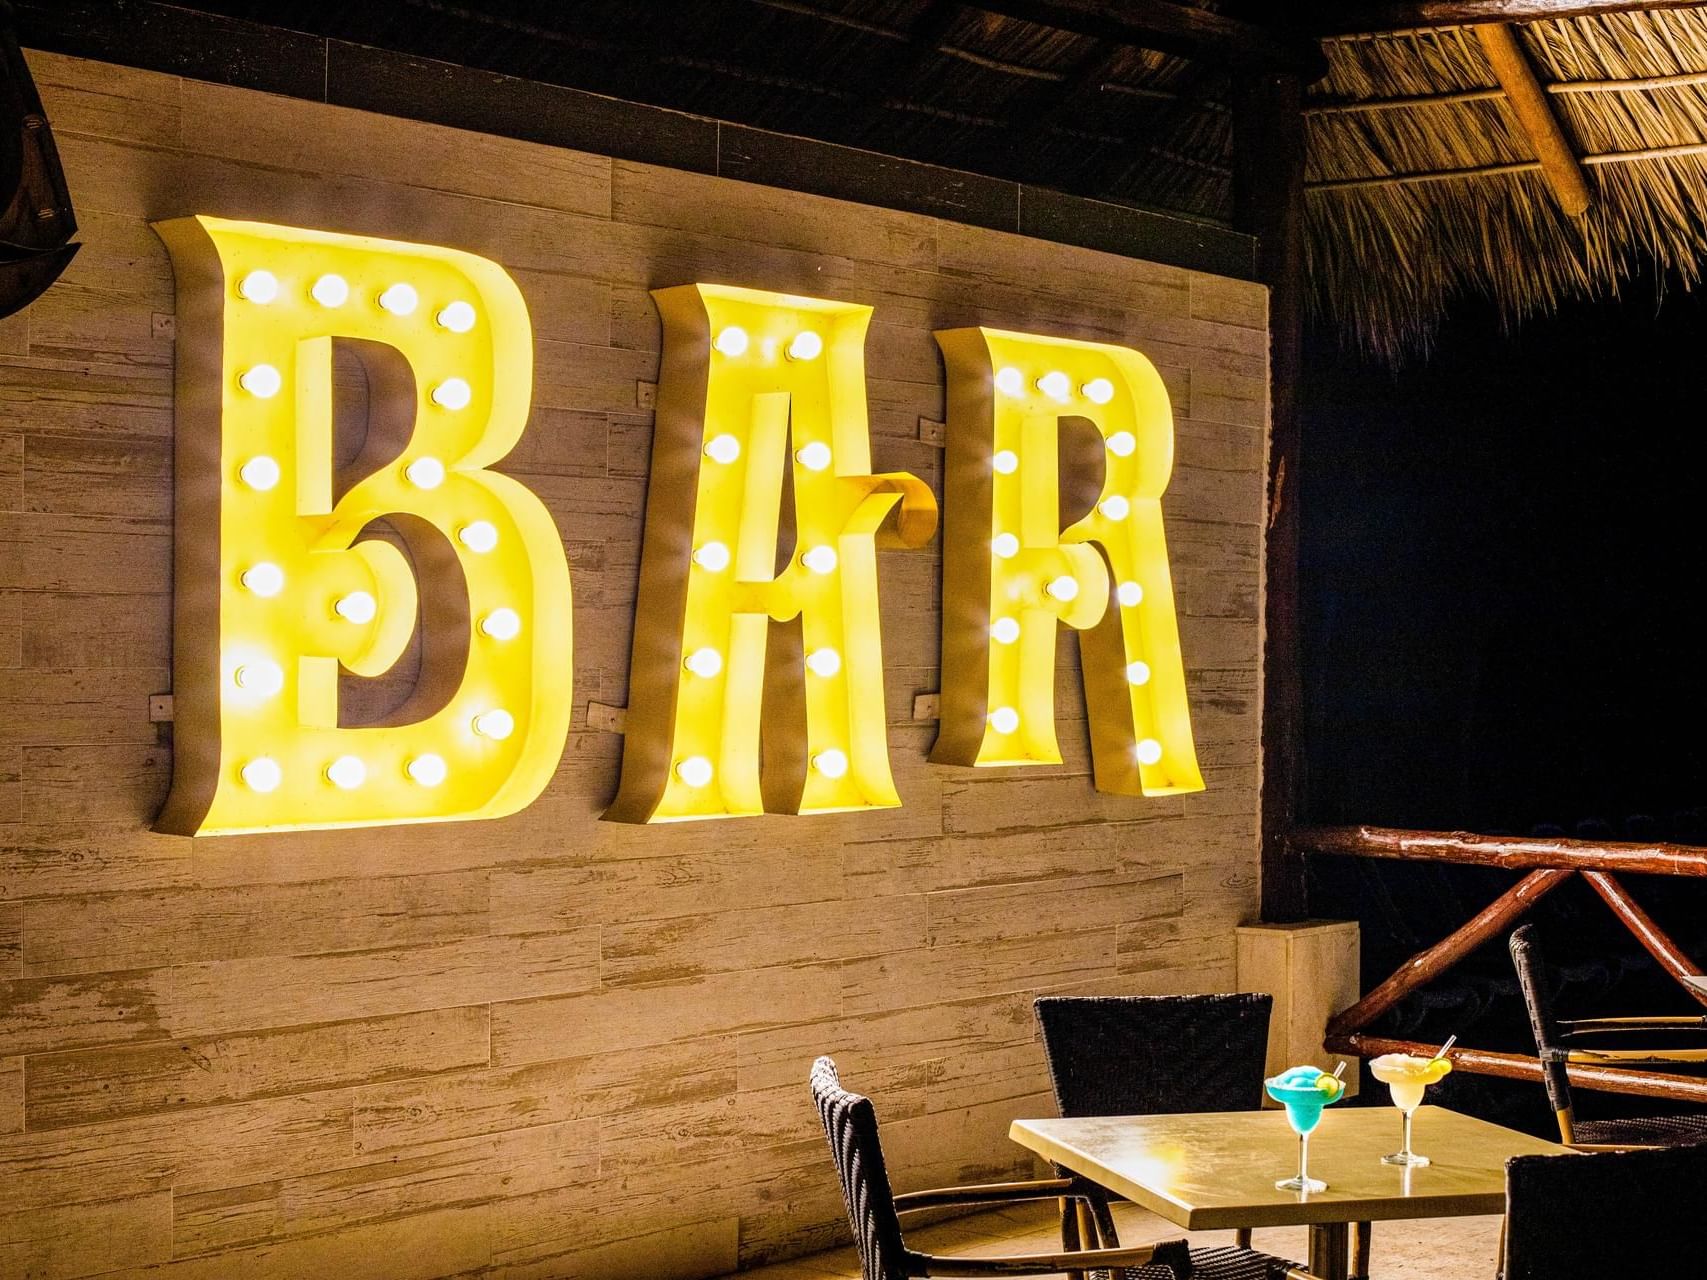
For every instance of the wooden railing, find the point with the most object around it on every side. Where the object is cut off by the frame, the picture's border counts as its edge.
(1546, 864)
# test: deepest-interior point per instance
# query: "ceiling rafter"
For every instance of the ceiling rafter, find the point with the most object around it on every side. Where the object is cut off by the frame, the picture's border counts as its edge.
(1536, 117)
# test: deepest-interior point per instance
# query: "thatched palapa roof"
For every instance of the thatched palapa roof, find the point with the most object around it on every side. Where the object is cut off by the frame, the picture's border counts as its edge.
(1422, 185)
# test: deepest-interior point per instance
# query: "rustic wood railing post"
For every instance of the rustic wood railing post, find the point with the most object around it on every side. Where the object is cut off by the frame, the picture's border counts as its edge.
(1427, 965)
(1548, 863)
(1649, 934)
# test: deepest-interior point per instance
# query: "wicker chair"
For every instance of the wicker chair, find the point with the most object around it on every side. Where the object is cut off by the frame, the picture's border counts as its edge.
(1155, 1055)
(850, 1125)
(1553, 1047)
(1596, 1217)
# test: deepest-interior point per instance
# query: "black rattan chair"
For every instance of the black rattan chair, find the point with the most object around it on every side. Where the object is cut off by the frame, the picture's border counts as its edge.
(850, 1125)
(1154, 1055)
(1605, 1217)
(1553, 1045)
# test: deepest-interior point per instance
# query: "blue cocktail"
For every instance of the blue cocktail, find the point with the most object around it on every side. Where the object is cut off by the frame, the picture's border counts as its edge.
(1304, 1091)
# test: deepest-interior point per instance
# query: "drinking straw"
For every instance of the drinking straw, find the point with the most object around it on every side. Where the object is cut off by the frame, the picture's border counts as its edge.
(1450, 1041)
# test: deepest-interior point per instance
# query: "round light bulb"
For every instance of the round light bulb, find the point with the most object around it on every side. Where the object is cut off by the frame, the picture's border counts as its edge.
(458, 317)
(713, 557)
(1004, 630)
(1129, 594)
(453, 394)
(820, 559)
(1010, 381)
(264, 678)
(260, 473)
(358, 607)
(1122, 443)
(265, 579)
(496, 724)
(724, 448)
(1004, 720)
(1137, 673)
(1055, 384)
(502, 624)
(806, 346)
(1099, 390)
(479, 536)
(259, 286)
(331, 291)
(824, 662)
(347, 773)
(262, 774)
(1005, 545)
(695, 771)
(1149, 751)
(263, 381)
(704, 662)
(1065, 588)
(815, 456)
(1115, 507)
(731, 342)
(1006, 462)
(832, 763)
(400, 299)
(429, 770)
(425, 473)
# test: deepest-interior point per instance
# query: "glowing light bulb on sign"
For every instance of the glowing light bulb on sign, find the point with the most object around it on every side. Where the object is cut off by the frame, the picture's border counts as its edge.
(268, 563)
(745, 397)
(1008, 565)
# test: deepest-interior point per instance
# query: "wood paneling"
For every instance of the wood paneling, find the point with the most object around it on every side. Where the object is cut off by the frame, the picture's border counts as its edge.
(549, 1046)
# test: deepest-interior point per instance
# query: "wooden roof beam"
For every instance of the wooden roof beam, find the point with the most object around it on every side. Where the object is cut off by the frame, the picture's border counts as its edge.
(1405, 15)
(1535, 117)
(1167, 27)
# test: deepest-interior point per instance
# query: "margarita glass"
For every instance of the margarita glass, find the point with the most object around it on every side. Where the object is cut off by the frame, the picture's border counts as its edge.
(1407, 1075)
(1304, 1091)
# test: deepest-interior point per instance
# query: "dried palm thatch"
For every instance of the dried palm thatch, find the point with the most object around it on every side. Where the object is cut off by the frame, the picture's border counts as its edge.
(1422, 186)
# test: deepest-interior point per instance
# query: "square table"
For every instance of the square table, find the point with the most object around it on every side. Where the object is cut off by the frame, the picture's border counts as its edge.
(1218, 1170)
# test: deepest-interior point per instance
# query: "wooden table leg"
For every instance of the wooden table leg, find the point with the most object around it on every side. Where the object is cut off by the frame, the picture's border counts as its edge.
(1329, 1250)
(1361, 1234)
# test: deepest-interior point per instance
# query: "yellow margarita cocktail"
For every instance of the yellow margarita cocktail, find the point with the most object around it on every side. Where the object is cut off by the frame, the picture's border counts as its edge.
(1407, 1075)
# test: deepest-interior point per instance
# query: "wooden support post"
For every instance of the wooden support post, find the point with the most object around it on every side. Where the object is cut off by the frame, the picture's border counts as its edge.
(1535, 117)
(1427, 965)
(1268, 201)
(1311, 971)
(1649, 934)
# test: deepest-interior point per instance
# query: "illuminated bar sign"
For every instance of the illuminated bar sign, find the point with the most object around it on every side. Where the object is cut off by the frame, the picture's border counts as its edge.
(282, 583)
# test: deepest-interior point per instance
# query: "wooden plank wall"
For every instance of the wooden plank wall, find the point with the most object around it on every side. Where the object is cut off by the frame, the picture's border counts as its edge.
(549, 1046)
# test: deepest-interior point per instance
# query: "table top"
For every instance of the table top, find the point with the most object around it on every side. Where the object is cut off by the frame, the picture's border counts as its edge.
(1217, 1170)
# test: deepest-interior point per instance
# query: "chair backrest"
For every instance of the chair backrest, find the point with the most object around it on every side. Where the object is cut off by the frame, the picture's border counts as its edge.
(1626, 1213)
(850, 1125)
(1155, 1055)
(1537, 989)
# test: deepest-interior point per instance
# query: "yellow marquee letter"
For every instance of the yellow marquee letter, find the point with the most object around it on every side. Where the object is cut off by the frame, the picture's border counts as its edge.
(760, 391)
(1010, 573)
(279, 586)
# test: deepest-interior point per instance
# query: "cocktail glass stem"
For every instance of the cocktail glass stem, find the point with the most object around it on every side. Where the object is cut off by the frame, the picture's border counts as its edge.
(1404, 1155)
(1303, 1181)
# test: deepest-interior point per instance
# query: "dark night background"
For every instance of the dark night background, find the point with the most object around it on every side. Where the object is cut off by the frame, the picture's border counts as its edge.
(1504, 545)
